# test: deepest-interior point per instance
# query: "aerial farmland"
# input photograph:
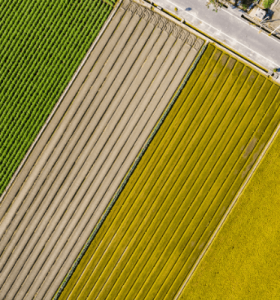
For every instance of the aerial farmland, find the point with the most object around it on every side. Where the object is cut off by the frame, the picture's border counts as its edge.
(114, 182)
(183, 185)
(87, 148)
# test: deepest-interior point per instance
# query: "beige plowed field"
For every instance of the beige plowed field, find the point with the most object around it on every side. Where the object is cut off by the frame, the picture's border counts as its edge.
(85, 151)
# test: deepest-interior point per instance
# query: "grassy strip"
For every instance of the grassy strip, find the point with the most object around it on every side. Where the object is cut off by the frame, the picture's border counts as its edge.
(243, 261)
(43, 43)
(127, 177)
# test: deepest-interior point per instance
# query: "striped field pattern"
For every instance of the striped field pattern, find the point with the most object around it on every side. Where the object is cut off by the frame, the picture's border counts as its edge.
(88, 146)
(183, 185)
(41, 45)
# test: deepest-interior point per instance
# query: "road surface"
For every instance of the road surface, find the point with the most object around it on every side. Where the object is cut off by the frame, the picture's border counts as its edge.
(227, 27)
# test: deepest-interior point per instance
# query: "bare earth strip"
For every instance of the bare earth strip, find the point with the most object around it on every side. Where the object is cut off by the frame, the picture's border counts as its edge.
(96, 133)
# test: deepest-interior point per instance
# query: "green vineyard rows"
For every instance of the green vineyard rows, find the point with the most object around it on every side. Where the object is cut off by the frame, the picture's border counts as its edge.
(42, 44)
(183, 184)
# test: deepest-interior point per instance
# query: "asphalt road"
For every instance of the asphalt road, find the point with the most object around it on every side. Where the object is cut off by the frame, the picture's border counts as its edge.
(227, 27)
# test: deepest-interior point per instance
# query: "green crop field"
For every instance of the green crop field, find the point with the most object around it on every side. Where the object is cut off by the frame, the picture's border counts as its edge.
(42, 44)
(244, 260)
(183, 184)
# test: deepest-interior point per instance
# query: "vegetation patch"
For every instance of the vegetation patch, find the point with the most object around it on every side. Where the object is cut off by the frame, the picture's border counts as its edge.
(42, 44)
(183, 184)
(243, 262)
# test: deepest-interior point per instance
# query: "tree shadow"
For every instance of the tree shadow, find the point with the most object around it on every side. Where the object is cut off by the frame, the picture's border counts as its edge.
(270, 13)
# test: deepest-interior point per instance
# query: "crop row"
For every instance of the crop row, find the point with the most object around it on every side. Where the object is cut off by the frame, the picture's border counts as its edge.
(136, 186)
(251, 228)
(99, 128)
(42, 45)
(182, 186)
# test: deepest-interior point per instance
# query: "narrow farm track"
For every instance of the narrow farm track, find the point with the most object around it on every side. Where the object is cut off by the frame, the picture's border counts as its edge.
(110, 110)
(183, 185)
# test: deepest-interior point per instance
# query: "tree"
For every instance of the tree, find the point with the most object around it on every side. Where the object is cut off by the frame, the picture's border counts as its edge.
(215, 3)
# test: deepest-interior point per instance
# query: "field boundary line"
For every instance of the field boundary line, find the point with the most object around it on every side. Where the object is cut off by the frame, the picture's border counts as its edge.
(130, 172)
(243, 186)
(59, 101)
